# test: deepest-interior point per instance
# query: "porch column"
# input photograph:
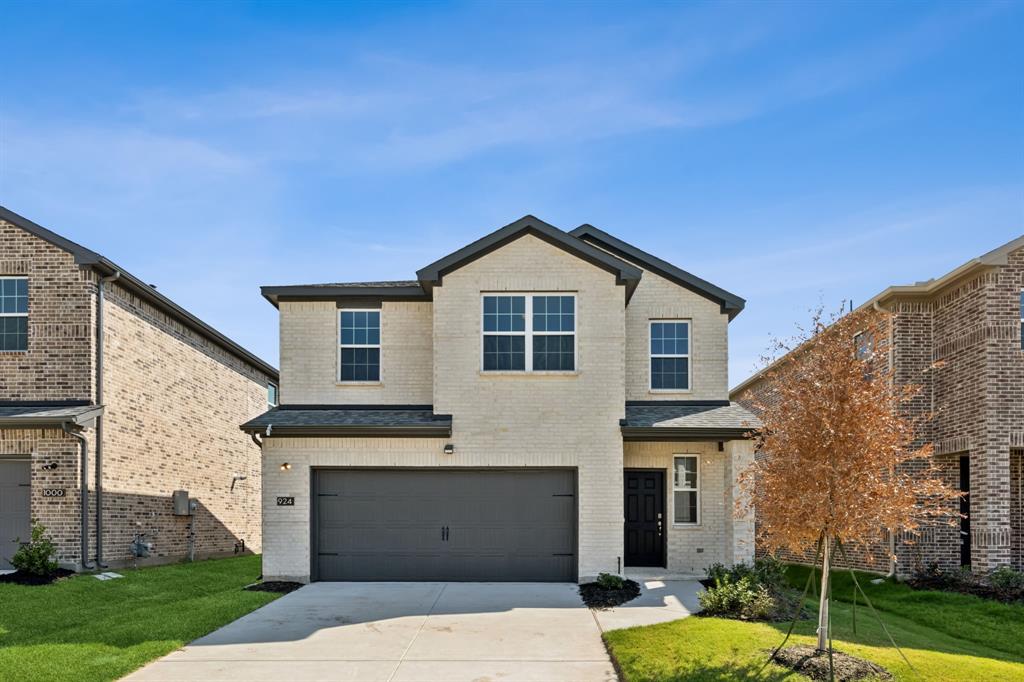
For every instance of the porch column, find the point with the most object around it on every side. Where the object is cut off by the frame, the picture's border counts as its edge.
(739, 533)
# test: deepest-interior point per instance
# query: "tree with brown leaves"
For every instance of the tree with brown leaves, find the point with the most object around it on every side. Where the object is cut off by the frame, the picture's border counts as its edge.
(837, 461)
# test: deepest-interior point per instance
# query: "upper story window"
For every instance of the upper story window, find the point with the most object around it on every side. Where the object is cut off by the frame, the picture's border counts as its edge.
(13, 313)
(271, 395)
(359, 351)
(529, 333)
(686, 490)
(864, 345)
(1022, 320)
(670, 355)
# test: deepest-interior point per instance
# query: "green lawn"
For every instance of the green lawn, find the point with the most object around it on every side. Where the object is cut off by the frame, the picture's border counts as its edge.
(87, 629)
(945, 636)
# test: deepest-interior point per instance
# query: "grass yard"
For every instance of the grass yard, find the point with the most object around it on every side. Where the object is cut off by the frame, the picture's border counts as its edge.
(945, 636)
(87, 629)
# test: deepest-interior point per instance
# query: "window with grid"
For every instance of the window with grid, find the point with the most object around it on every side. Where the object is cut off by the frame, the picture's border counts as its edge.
(685, 490)
(670, 355)
(360, 346)
(529, 333)
(13, 313)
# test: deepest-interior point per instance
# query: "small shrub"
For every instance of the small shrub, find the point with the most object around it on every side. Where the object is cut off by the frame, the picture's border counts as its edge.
(745, 599)
(1007, 582)
(36, 557)
(609, 581)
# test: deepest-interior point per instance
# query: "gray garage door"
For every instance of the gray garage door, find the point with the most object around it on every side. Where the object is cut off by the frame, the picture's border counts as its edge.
(445, 525)
(14, 507)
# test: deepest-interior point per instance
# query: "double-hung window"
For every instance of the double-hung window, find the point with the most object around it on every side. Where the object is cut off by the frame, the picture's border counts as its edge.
(686, 490)
(13, 314)
(359, 352)
(670, 355)
(529, 333)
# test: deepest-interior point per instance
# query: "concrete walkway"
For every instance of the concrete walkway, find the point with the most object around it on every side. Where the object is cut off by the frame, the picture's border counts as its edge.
(660, 601)
(403, 632)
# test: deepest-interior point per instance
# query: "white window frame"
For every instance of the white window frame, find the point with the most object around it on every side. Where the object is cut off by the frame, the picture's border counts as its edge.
(688, 356)
(870, 354)
(380, 372)
(1022, 319)
(696, 458)
(277, 392)
(529, 333)
(24, 314)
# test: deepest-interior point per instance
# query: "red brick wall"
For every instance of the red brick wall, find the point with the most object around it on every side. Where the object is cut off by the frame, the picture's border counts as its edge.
(963, 347)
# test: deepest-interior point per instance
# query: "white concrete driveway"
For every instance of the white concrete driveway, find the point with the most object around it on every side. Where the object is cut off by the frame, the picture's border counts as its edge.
(402, 632)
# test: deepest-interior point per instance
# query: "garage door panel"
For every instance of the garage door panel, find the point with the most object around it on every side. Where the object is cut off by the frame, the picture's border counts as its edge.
(502, 525)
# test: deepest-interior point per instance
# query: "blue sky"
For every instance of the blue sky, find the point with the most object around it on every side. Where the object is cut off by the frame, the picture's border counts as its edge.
(794, 154)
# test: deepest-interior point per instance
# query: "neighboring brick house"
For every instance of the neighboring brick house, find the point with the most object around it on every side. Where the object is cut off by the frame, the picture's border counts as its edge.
(539, 405)
(958, 337)
(165, 390)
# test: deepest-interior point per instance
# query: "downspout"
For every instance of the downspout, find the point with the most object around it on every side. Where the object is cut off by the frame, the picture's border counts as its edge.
(99, 420)
(84, 448)
(892, 534)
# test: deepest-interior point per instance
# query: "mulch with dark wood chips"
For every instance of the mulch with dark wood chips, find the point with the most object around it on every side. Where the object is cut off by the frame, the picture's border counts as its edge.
(807, 660)
(597, 597)
(23, 578)
(279, 586)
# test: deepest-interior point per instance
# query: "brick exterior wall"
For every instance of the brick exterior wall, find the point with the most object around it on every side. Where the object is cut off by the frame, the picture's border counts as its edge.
(512, 419)
(173, 401)
(719, 537)
(962, 345)
(60, 300)
(309, 355)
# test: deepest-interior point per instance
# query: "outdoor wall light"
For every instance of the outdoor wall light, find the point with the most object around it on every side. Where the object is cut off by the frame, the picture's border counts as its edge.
(449, 448)
(286, 466)
(50, 466)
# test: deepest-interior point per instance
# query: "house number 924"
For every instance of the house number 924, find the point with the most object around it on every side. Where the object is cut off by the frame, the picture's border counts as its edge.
(286, 502)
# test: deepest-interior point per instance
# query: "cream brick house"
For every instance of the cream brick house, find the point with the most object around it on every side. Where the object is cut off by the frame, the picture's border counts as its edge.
(539, 405)
(111, 398)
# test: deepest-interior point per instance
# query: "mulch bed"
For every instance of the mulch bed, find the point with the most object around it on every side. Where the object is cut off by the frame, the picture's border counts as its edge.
(22, 578)
(279, 586)
(597, 597)
(977, 588)
(806, 660)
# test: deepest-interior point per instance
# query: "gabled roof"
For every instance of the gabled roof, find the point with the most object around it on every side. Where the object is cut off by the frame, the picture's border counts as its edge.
(625, 274)
(731, 304)
(91, 259)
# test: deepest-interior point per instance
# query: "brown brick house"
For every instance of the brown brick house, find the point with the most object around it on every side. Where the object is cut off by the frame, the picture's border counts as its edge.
(959, 338)
(111, 398)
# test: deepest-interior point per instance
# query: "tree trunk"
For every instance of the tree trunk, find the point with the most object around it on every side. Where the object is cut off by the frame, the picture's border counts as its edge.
(823, 605)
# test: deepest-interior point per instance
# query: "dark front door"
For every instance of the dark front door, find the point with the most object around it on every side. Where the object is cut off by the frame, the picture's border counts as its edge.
(645, 518)
(965, 511)
(15, 524)
(414, 524)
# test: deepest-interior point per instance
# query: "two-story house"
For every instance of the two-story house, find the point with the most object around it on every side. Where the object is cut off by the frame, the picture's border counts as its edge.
(539, 405)
(112, 397)
(957, 338)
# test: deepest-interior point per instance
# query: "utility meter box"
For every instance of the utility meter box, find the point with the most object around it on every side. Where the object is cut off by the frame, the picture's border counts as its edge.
(181, 503)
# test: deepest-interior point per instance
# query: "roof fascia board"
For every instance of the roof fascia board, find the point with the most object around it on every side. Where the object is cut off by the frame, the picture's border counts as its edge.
(355, 431)
(276, 294)
(668, 433)
(730, 303)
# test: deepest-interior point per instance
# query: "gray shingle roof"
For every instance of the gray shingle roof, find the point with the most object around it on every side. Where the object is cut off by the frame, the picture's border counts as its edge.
(46, 415)
(694, 418)
(351, 420)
